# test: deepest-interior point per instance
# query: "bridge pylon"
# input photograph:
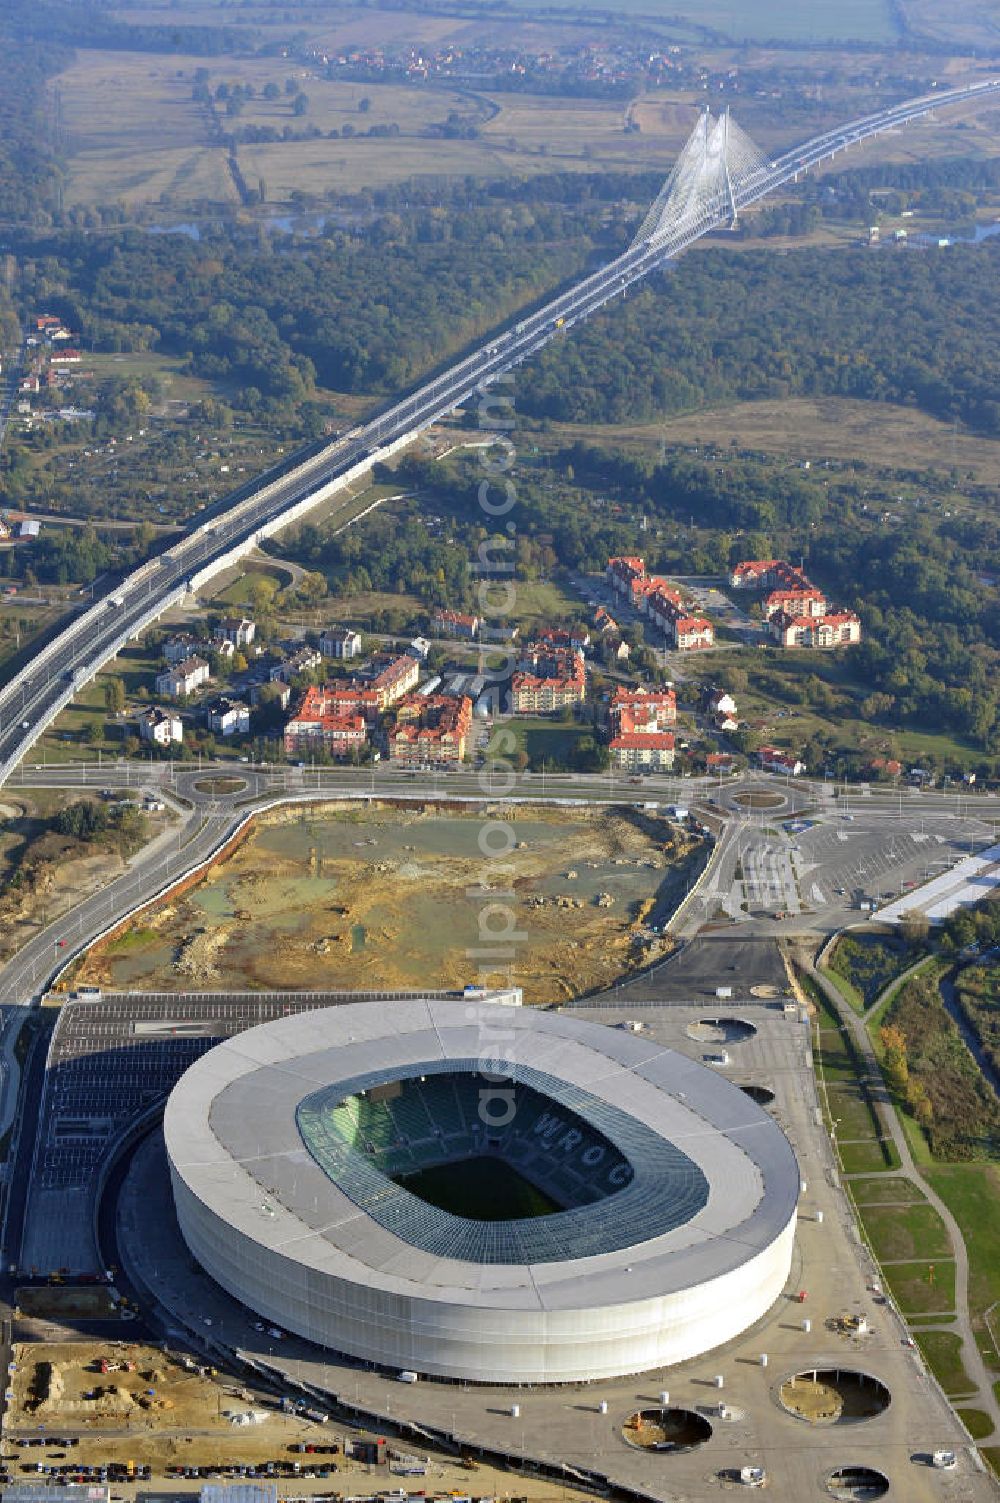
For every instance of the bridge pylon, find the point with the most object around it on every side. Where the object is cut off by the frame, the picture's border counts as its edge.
(718, 161)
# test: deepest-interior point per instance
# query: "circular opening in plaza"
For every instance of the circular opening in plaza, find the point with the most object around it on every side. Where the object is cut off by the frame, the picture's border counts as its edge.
(383, 1182)
(667, 1429)
(834, 1396)
(720, 1031)
(857, 1484)
(763, 1095)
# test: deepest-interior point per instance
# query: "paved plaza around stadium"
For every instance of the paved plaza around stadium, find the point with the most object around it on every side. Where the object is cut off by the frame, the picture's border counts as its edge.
(563, 1426)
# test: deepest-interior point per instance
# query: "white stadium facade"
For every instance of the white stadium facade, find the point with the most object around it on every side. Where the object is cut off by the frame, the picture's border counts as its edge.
(625, 1207)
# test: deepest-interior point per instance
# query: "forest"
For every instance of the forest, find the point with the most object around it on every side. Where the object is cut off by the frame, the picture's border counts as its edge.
(361, 311)
(909, 326)
(370, 308)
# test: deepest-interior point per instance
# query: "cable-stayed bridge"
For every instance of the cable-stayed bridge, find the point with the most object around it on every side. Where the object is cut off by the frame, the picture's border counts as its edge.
(719, 173)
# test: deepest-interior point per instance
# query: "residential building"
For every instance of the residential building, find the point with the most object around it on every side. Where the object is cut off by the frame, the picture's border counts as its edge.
(692, 633)
(773, 760)
(317, 726)
(28, 527)
(431, 729)
(625, 572)
(643, 751)
(180, 646)
(795, 600)
(663, 605)
(65, 357)
(419, 649)
(652, 596)
(720, 764)
(340, 642)
(390, 678)
(758, 574)
(604, 622)
(236, 629)
(183, 678)
(577, 637)
(251, 685)
(838, 629)
(230, 717)
(344, 700)
(303, 661)
(446, 623)
(159, 727)
(797, 611)
(642, 710)
(719, 702)
(547, 680)
(887, 767)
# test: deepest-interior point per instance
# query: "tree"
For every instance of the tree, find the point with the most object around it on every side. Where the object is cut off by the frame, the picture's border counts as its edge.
(312, 588)
(300, 105)
(894, 1062)
(114, 696)
(364, 105)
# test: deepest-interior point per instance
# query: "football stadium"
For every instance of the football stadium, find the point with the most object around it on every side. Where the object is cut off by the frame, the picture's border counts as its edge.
(486, 1193)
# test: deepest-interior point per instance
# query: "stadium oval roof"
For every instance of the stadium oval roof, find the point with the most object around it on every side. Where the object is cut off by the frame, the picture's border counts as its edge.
(233, 1140)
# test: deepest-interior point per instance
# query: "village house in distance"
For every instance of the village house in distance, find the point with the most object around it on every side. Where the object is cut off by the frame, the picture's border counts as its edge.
(795, 610)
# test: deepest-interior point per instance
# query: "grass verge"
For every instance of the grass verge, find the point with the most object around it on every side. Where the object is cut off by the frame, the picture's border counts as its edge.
(942, 1352)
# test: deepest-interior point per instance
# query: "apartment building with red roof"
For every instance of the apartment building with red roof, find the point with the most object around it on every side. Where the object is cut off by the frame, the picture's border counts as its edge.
(322, 724)
(643, 751)
(431, 729)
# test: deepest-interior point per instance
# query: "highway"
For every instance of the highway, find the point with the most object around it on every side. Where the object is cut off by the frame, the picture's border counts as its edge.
(36, 694)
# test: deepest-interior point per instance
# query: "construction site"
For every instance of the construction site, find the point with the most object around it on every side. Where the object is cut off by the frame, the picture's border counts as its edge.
(136, 1408)
(337, 896)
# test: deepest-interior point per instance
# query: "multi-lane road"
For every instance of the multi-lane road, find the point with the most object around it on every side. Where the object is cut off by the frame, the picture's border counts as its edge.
(34, 696)
(208, 821)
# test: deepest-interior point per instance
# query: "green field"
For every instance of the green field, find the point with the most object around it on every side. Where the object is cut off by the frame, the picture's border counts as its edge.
(548, 744)
(850, 1111)
(972, 1194)
(943, 1353)
(864, 964)
(878, 1191)
(922, 1285)
(914, 1231)
(767, 20)
(979, 1425)
(480, 1189)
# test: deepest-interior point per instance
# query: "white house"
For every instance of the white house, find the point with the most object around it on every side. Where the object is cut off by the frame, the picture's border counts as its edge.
(180, 646)
(302, 661)
(773, 760)
(238, 630)
(183, 678)
(340, 642)
(160, 727)
(230, 717)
